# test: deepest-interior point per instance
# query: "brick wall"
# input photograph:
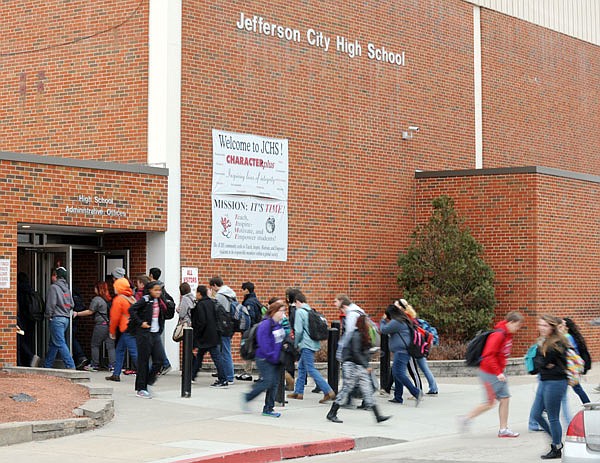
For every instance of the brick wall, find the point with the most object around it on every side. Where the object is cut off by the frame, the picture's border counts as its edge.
(541, 96)
(351, 184)
(67, 96)
(539, 234)
(36, 193)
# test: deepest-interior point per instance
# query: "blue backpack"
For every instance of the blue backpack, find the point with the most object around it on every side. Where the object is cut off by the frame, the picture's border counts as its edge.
(528, 359)
(430, 329)
(240, 315)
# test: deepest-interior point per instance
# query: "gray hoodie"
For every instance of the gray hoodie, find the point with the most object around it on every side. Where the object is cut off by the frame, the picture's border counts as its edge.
(187, 303)
(222, 295)
(59, 301)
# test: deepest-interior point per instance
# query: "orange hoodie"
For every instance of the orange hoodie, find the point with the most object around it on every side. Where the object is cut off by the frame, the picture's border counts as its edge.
(119, 311)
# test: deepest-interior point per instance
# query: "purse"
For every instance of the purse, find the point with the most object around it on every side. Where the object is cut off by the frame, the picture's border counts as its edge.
(178, 331)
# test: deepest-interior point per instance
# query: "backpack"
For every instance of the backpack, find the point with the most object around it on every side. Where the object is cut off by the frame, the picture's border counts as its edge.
(239, 315)
(374, 332)
(475, 348)
(528, 359)
(248, 343)
(430, 329)
(420, 341)
(34, 306)
(318, 329)
(225, 325)
(575, 367)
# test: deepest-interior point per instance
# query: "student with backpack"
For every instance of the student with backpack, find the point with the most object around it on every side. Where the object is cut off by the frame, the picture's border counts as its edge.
(254, 308)
(223, 296)
(355, 370)
(99, 308)
(307, 345)
(421, 362)
(494, 356)
(396, 324)
(269, 339)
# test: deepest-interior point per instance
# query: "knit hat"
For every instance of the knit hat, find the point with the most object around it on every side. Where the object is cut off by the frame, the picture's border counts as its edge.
(61, 272)
(118, 272)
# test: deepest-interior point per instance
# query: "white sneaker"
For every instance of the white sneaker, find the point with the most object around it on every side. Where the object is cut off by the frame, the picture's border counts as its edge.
(142, 394)
(507, 433)
(464, 423)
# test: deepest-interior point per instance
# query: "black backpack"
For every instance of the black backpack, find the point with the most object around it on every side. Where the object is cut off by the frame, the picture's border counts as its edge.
(33, 306)
(475, 348)
(318, 329)
(248, 343)
(225, 325)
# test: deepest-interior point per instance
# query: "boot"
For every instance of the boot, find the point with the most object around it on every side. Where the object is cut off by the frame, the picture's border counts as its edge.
(332, 415)
(379, 416)
(326, 397)
(363, 406)
(295, 395)
(289, 382)
(555, 452)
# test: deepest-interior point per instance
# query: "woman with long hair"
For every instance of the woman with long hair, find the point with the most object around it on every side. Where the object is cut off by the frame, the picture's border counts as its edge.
(577, 342)
(99, 307)
(355, 370)
(396, 324)
(551, 364)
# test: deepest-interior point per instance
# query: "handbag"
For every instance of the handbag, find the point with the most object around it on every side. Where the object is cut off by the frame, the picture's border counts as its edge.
(178, 331)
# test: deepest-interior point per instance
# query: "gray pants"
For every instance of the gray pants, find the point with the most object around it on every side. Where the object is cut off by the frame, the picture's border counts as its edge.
(352, 375)
(99, 336)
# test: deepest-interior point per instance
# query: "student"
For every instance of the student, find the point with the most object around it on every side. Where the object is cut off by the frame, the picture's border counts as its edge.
(307, 347)
(269, 339)
(491, 373)
(154, 275)
(550, 362)
(395, 323)
(223, 295)
(59, 304)
(99, 307)
(254, 306)
(355, 370)
(147, 321)
(119, 320)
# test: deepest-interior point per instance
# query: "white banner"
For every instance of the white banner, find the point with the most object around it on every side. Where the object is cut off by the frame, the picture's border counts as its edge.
(190, 275)
(245, 164)
(249, 228)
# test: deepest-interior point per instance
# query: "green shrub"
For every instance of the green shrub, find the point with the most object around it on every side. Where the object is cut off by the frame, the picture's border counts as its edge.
(444, 277)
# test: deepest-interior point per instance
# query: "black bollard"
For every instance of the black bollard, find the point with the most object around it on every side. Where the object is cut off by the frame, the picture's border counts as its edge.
(384, 364)
(333, 366)
(186, 375)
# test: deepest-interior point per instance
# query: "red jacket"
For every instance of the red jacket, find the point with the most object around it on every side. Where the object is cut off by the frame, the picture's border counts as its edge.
(497, 350)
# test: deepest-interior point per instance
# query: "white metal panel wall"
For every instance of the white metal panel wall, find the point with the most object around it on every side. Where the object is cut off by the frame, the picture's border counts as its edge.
(577, 18)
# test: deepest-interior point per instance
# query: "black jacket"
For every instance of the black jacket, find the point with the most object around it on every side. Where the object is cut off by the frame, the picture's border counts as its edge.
(355, 352)
(141, 311)
(551, 366)
(204, 322)
(254, 307)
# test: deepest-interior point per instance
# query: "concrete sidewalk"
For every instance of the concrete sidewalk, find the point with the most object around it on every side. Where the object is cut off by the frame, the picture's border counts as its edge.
(169, 428)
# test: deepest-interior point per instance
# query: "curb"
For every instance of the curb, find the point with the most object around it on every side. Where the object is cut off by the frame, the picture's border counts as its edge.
(277, 453)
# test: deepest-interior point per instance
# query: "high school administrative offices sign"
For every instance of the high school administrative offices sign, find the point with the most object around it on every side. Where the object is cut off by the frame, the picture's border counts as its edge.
(249, 197)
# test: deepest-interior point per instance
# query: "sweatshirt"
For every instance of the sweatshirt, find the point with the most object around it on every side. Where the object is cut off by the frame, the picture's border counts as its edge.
(269, 338)
(497, 350)
(187, 303)
(119, 310)
(302, 339)
(399, 333)
(59, 301)
(355, 352)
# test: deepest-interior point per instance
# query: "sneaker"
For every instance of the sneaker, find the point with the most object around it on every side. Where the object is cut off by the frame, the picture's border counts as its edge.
(164, 370)
(219, 385)
(507, 433)
(432, 393)
(244, 377)
(82, 363)
(111, 368)
(36, 361)
(90, 368)
(272, 414)
(316, 390)
(464, 423)
(419, 399)
(112, 378)
(215, 375)
(129, 372)
(538, 428)
(394, 401)
(143, 394)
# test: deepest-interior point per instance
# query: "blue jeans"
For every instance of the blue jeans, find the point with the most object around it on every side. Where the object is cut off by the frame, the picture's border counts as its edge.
(422, 362)
(126, 342)
(306, 365)
(548, 397)
(270, 380)
(58, 344)
(215, 355)
(226, 359)
(401, 378)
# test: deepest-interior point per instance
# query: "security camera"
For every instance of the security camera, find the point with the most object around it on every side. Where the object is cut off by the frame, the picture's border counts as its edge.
(414, 128)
